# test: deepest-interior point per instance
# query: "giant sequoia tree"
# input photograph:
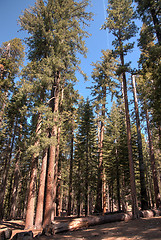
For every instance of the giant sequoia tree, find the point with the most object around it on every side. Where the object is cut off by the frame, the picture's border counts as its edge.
(120, 24)
(56, 35)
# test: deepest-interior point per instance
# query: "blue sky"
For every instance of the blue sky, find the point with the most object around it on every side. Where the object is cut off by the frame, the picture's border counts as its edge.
(100, 40)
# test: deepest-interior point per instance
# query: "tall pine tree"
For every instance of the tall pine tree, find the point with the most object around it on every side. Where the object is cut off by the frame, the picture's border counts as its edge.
(120, 23)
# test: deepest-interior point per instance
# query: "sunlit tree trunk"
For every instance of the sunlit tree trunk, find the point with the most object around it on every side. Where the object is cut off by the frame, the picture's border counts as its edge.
(129, 143)
(143, 193)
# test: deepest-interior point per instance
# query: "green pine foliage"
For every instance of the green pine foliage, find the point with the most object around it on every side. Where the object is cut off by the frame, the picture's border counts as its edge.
(85, 158)
(116, 155)
(56, 37)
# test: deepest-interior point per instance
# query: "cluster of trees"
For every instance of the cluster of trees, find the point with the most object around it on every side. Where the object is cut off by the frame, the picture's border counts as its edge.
(61, 154)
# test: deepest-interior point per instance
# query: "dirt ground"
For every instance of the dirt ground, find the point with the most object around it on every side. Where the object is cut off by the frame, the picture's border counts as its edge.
(143, 229)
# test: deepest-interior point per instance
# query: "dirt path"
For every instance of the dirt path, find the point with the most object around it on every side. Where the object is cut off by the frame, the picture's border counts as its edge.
(142, 229)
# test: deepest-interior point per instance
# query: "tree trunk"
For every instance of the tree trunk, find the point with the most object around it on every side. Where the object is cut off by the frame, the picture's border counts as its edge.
(78, 192)
(156, 23)
(118, 181)
(152, 159)
(144, 198)
(98, 206)
(56, 172)
(41, 192)
(15, 187)
(54, 103)
(129, 143)
(87, 177)
(70, 172)
(104, 192)
(58, 191)
(5, 172)
(30, 213)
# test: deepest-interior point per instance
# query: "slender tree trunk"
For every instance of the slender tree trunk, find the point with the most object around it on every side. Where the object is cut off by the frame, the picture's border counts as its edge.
(54, 103)
(123, 194)
(118, 181)
(144, 198)
(129, 143)
(5, 172)
(71, 172)
(7, 204)
(13, 211)
(98, 206)
(15, 187)
(153, 164)
(87, 178)
(41, 192)
(111, 195)
(78, 192)
(104, 192)
(58, 191)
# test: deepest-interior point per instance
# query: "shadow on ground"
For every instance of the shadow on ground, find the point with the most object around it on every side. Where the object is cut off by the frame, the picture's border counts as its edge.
(143, 229)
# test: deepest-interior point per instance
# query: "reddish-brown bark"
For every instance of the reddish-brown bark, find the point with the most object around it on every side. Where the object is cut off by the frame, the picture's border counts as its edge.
(29, 223)
(41, 193)
(54, 104)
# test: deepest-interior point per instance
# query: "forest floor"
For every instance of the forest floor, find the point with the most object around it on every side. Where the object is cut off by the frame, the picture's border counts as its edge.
(143, 229)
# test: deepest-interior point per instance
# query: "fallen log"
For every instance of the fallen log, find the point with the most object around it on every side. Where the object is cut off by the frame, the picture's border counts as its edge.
(150, 213)
(85, 222)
